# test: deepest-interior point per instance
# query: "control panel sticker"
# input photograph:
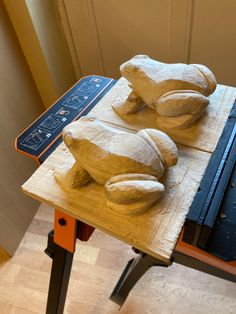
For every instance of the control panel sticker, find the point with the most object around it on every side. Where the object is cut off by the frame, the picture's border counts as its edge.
(41, 137)
(75, 101)
(52, 122)
(87, 88)
(35, 139)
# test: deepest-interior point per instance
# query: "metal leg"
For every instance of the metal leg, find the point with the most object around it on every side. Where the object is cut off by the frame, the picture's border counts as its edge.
(134, 270)
(60, 275)
(137, 267)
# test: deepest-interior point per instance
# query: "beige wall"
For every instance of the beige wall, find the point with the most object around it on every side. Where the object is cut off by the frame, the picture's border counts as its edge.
(20, 104)
(103, 34)
(37, 26)
(53, 43)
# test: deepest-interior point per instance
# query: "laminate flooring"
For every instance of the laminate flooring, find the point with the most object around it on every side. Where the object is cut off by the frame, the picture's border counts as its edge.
(97, 266)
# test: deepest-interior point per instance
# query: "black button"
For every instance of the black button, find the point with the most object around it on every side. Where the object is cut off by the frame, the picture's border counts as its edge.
(62, 221)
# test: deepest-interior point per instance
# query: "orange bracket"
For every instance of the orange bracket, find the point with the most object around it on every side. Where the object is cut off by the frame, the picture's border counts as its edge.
(67, 229)
(64, 230)
(205, 257)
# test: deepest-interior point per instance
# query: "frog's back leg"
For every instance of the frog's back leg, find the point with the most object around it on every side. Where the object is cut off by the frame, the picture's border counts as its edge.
(132, 193)
(180, 102)
(179, 109)
(132, 104)
(162, 144)
(209, 76)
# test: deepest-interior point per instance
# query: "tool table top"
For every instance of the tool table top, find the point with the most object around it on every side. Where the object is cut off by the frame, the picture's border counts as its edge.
(156, 231)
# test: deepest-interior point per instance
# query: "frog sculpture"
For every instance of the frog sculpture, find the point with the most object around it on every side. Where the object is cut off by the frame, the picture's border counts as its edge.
(128, 165)
(177, 92)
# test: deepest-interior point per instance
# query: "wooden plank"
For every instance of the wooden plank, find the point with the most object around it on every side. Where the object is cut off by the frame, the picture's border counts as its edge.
(203, 135)
(154, 232)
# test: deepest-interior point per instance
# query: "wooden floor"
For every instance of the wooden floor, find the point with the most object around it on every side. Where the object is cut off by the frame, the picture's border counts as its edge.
(97, 265)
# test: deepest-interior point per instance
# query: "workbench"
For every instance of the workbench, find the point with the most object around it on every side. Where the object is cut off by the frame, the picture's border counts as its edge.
(155, 235)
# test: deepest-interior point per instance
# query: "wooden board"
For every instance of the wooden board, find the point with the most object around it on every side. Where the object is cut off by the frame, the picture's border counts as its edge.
(203, 135)
(154, 232)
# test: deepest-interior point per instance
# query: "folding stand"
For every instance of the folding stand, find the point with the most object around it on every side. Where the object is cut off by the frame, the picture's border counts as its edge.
(62, 254)
(60, 274)
(137, 267)
(133, 271)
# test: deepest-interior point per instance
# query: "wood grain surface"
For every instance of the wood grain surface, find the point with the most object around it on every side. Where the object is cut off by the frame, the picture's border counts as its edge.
(154, 232)
(203, 135)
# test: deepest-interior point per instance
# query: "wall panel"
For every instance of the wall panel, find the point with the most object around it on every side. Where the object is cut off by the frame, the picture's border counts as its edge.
(103, 34)
(20, 104)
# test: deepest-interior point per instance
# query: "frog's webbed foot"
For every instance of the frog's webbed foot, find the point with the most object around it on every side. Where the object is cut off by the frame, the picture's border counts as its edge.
(131, 193)
(132, 104)
(71, 177)
(179, 109)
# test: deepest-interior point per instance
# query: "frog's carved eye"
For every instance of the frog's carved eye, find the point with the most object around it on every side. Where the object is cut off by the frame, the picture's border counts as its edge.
(141, 57)
(67, 138)
(87, 119)
(130, 69)
(135, 69)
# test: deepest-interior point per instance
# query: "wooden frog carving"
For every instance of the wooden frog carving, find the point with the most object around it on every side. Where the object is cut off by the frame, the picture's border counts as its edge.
(128, 165)
(177, 92)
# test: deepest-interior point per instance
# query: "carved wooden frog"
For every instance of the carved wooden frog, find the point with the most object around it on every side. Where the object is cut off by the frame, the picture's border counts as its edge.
(177, 92)
(128, 165)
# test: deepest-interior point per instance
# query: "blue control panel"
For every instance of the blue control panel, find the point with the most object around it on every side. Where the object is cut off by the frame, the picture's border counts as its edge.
(44, 135)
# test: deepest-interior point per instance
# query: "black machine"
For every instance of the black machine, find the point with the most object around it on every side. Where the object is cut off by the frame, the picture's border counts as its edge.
(211, 221)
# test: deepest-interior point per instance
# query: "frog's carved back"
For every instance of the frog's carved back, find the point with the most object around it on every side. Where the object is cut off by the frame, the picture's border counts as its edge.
(162, 79)
(102, 165)
(104, 151)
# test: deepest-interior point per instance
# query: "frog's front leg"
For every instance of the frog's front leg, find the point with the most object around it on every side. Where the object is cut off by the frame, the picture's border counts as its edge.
(131, 193)
(132, 104)
(71, 177)
(180, 102)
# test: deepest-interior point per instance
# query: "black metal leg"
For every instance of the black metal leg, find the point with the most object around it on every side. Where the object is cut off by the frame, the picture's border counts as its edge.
(134, 270)
(60, 275)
